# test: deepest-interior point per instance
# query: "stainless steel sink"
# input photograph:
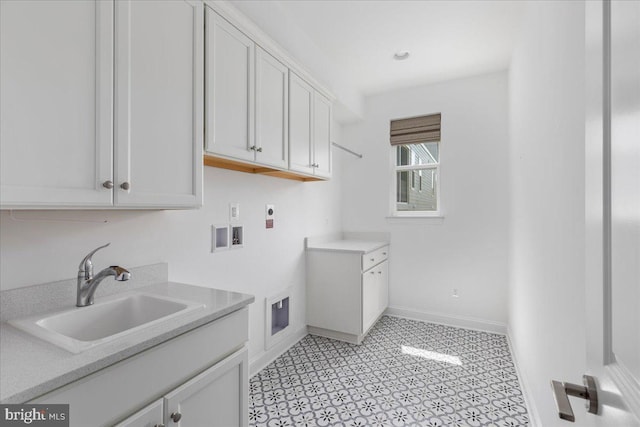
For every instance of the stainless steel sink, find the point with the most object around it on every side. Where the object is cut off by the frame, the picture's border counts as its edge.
(79, 329)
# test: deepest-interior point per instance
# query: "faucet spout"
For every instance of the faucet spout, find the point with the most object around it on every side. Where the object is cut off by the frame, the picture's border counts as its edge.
(87, 282)
(86, 288)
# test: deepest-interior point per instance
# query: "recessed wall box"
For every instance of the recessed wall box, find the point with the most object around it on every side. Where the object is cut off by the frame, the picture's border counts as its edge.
(237, 236)
(278, 318)
(219, 237)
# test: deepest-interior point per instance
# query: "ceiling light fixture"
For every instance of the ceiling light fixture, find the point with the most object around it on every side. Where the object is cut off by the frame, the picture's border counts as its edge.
(401, 55)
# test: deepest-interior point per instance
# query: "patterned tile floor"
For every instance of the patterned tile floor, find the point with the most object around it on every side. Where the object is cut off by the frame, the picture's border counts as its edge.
(405, 373)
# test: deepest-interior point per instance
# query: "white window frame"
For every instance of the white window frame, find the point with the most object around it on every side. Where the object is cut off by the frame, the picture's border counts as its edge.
(395, 213)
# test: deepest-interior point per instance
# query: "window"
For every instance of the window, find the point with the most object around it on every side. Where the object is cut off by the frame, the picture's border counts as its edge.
(416, 142)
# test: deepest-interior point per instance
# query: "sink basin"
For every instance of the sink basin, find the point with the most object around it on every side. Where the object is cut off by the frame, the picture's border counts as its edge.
(81, 328)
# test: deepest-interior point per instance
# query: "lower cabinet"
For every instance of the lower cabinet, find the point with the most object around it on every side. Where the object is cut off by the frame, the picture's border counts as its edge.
(197, 379)
(375, 295)
(346, 292)
(216, 397)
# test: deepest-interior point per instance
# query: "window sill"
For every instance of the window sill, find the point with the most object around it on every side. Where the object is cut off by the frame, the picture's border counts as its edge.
(416, 219)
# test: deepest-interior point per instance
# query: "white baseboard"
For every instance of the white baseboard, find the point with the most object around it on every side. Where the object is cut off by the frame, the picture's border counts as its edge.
(534, 418)
(258, 363)
(446, 319)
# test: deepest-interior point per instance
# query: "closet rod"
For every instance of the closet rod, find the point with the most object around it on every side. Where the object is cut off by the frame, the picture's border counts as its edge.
(346, 149)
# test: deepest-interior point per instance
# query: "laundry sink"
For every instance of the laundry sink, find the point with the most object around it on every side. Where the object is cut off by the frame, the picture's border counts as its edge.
(79, 329)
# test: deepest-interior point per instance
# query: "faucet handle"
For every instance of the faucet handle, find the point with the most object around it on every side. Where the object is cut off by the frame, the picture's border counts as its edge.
(86, 266)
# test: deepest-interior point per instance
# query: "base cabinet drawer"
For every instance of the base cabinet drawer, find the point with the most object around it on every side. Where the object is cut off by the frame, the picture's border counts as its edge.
(374, 258)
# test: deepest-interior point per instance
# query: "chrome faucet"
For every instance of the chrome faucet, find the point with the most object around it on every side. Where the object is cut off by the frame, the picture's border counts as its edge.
(87, 282)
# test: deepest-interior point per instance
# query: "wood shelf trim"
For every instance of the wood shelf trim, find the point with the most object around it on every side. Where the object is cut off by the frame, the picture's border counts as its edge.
(224, 163)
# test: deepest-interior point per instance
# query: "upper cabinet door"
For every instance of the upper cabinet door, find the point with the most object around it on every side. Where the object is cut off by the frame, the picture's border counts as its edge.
(159, 103)
(321, 135)
(272, 99)
(230, 89)
(300, 124)
(56, 73)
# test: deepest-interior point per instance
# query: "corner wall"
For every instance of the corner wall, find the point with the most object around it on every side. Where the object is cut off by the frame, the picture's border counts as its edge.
(547, 187)
(467, 250)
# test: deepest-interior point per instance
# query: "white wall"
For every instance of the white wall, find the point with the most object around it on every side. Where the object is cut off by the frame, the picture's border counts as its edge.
(547, 294)
(274, 20)
(468, 249)
(41, 250)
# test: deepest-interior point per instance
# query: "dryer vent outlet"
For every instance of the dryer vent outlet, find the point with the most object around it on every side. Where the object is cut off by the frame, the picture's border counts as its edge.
(279, 315)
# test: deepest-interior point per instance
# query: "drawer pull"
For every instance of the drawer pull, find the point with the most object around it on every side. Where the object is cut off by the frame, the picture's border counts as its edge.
(379, 272)
(384, 253)
(373, 259)
(373, 272)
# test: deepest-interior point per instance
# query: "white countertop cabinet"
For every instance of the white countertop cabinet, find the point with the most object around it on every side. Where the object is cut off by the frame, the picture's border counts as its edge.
(347, 288)
(99, 100)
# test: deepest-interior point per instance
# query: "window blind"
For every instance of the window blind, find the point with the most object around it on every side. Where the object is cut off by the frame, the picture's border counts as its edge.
(416, 130)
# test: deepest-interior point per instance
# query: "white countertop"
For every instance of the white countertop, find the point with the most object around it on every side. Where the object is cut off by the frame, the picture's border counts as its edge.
(30, 367)
(347, 245)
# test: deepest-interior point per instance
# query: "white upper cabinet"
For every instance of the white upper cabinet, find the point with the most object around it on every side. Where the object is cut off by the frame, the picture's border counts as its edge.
(230, 89)
(159, 102)
(321, 135)
(309, 129)
(261, 116)
(56, 74)
(300, 125)
(272, 106)
(64, 140)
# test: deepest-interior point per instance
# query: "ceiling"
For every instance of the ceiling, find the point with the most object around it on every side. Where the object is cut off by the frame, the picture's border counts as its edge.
(446, 39)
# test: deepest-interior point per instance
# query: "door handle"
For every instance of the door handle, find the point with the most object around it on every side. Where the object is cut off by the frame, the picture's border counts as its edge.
(562, 391)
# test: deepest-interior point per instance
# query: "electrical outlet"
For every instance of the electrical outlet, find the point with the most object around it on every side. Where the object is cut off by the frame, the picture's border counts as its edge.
(269, 214)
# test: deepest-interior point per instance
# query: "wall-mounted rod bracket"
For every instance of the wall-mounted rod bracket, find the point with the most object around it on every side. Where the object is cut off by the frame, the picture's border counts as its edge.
(335, 144)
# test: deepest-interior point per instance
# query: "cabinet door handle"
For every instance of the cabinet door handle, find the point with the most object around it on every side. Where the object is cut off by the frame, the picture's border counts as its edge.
(384, 253)
(176, 416)
(252, 148)
(379, 272)
(159, 425)
(108, 184)
(373, 272)
(125, 186)
(259, 149)
(373, 259)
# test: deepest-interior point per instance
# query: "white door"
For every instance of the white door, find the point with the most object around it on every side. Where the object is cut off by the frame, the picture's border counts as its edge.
(613, 227)
(218, 397)
(56, 77)
(300, 124)
(272, 106)
(230, 89)
(159, 102)
(321, 135)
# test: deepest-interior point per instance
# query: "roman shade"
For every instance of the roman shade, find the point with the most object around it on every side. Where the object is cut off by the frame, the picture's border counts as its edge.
(416, 130)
